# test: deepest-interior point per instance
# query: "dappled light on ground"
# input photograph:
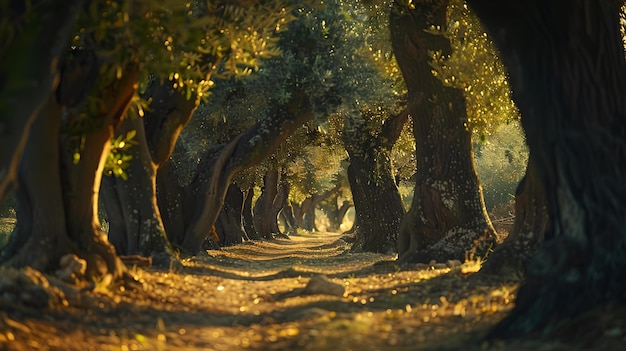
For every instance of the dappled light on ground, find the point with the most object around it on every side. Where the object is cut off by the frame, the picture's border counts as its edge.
(258, 295)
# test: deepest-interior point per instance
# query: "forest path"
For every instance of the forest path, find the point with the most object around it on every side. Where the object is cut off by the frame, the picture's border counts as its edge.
(254, 296)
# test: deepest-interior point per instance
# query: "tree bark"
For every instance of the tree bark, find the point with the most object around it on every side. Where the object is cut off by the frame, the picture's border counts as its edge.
(29, 73)
(299, 210)
(304, 213)
(289, 219)
(229, 225)
(263, 208)
(378, 203)
(568, 77)
(58, 200)
(511, 259)
(137, 227)
(374, 191)
(334, 212)
(280, 200)
(173, 200)
(247, 216)
(40, 237)
(447, 219)
(309, 217)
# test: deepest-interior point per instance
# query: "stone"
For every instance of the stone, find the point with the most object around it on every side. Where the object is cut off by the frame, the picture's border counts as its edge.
(321, 285)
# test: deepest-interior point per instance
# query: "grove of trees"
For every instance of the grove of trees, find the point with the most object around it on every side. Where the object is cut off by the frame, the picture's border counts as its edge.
(198, 124)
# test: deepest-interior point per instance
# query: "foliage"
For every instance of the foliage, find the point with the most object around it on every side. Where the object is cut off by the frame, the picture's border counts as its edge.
(117, 160)
(315, 171)
(12, 19)
(325, 55)
(501, 163)
(185, 42)
(379, 42)
(474, 67)
(322, 57)
(188, 43)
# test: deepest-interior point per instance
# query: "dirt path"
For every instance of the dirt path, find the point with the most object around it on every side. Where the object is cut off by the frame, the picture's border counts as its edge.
(255, 296)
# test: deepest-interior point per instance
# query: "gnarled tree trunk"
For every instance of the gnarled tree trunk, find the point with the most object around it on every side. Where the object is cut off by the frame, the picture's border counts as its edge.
(568, 77)
(304, 213)
(40, 236)
(270, 203)
(447, 219)
(334, 212)
(378, 204)
(374, 191)
(247, 215)
(264, 217)
(58, 200)
(229, 225)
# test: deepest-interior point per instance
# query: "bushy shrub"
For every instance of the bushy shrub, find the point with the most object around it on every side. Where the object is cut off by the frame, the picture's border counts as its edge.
(501, 163)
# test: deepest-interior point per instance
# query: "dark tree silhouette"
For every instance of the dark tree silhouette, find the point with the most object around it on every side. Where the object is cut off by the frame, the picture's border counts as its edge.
(568, 77)
(25, 87)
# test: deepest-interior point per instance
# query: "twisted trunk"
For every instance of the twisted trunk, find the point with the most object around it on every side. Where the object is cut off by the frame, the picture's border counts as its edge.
(58, 200)
(229, 225)
(378, 203)
(247, 216)
(289, 219)
(136, 226)
(571, 101)
(447, 219)
(264, 218)
(374, 192)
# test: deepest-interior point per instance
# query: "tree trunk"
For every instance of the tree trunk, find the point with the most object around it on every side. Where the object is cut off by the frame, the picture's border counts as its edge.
(58, 200)
(299, 210)
(171, 198)
(229, 225)
(510, 260)
(447, 219)
(568, 77)
(308, 218)
(304, 213)
(264, 218)
(289, 219)
(334, 212)
(40, 237)
(137, 227)
(29, 73)
(341, 213)
(280, 200)
(374, 191)
(246, 150)
(247, 216)
(378, 203)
